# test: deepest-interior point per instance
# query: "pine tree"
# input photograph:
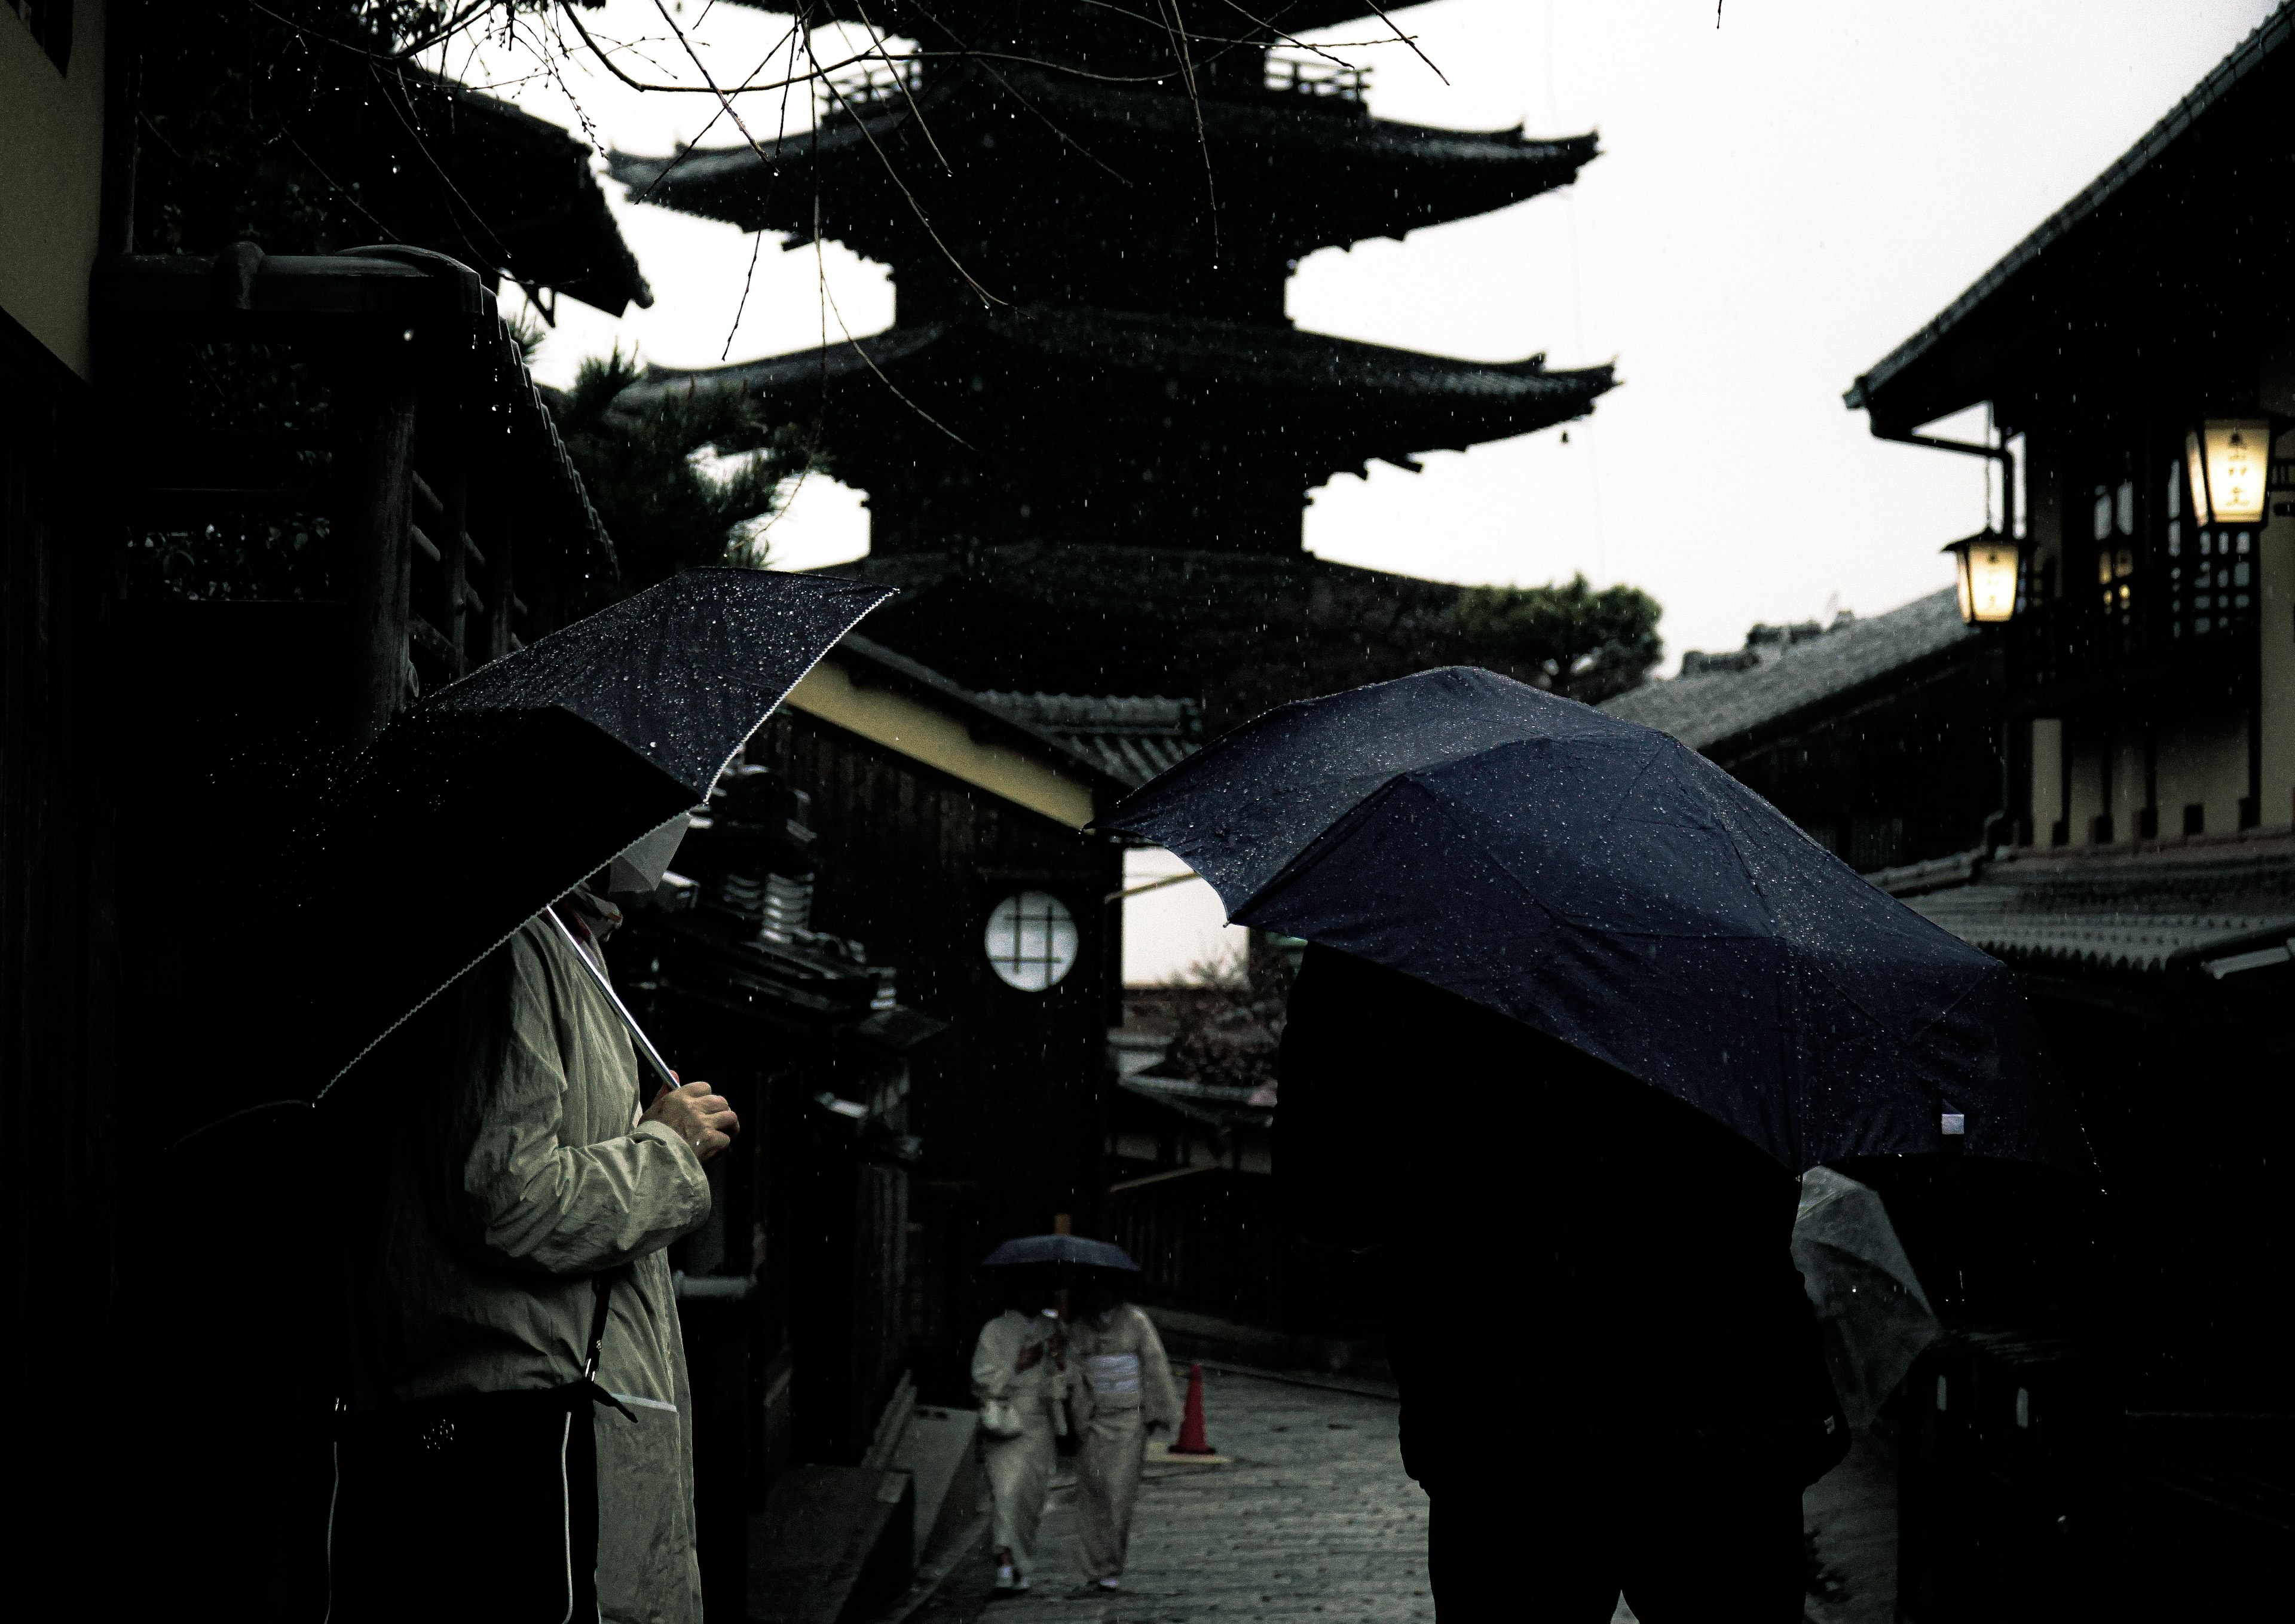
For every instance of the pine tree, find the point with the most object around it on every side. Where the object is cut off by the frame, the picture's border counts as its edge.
(682, 481)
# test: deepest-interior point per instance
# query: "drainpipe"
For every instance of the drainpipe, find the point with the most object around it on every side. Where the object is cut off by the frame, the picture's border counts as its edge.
(1998, 453)
(2000, 828)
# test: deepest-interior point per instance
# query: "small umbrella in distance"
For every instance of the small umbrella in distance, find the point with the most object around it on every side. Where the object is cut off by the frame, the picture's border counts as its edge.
(1068, 1251)
(1605, 884)
(499, 793)
(1870, 1306)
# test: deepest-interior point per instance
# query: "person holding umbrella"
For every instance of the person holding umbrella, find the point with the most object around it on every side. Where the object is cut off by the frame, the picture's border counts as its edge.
(514, 1194)
(1601, 1002)
(512, 1436)
(1019, 1379)
(1629, 1262)
(1123, 1393)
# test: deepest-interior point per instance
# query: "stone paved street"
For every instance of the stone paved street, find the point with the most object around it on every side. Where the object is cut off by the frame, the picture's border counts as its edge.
(1312, 1521)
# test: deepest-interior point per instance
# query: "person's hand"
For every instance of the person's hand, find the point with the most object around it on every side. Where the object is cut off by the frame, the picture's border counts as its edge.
(697, 1114)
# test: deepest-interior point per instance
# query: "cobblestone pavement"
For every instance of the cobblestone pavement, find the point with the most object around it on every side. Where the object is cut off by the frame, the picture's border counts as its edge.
(1312, 1521)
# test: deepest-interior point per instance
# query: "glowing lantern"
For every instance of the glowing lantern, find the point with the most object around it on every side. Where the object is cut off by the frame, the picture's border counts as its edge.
(1986, 563)
(2195, 468)
(2238, 468)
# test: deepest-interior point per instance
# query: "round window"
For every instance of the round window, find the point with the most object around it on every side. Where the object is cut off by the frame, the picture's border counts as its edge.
(1031, 941)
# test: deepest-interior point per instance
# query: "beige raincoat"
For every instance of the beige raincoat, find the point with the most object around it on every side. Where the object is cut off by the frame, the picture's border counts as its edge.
(1019, 1468)
(1123, 1386)
(505, 1168)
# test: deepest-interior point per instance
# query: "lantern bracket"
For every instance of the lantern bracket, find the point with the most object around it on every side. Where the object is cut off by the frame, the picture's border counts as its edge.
(1998, 454)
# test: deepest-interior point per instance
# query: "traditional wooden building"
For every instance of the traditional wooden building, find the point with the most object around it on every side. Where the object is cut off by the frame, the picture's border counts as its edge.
(1880, 736)
(1092, 413)
(2139, 359)
(248, 504)
(793, 1296)
(951, 841)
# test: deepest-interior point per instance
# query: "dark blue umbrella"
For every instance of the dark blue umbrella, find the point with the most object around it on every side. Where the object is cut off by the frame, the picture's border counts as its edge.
(1071, 1249)
(1601, 882)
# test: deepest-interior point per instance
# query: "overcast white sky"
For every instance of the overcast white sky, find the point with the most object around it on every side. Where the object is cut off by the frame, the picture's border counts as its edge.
(1780, 202)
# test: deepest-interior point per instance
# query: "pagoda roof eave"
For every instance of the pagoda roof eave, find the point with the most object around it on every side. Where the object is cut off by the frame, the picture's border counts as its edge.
(921, 21)
(1399, 176)
(1396, 403)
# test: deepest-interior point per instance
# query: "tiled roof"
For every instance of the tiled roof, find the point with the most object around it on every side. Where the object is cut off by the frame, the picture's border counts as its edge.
(1221, 1108)
(1265, 357)
(1307, 178)
(909, 17)
(2148, 913)
(891, 663)
(1132, 738)
(1718, 707)
(1114, 619)
(2273, 33)
(564, 237)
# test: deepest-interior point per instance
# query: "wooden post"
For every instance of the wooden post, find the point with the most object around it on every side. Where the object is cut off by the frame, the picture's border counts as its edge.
(374, 484)
(455, 499)
(501, 597)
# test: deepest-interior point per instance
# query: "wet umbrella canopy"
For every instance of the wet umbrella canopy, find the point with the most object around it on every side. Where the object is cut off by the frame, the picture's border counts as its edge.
(1601, 882)
(1869, 1304)
(1072, 1250)
(503, 791)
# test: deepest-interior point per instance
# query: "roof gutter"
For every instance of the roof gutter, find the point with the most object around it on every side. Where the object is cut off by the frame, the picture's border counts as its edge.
(1998, 453)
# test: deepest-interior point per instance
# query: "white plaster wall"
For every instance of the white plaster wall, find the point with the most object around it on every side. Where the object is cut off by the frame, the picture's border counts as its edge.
(2205, 760)
(2047, 776)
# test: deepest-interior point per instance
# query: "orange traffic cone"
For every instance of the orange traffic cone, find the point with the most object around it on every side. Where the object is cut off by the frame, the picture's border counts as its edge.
(1191, 1419)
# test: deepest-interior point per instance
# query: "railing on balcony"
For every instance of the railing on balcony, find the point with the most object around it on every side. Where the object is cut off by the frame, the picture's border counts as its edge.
(857, 91)
(889, 83)
(2175, 623)
(1306, 74)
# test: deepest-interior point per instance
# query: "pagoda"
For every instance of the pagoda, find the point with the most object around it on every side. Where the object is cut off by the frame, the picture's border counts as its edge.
(1091, 402)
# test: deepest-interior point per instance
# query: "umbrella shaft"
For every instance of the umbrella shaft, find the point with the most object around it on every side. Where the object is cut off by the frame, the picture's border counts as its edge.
(597, 974)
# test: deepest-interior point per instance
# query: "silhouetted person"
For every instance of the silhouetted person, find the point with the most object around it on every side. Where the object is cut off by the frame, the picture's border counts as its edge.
(1019, 1381)
(1123, 1392)
(1610, 1375)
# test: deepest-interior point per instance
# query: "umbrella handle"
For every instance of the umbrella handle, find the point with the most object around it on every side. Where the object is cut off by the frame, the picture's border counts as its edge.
(637, 1033)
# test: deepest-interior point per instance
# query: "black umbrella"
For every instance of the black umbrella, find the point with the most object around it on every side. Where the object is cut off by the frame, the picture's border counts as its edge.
(1597, 880)
(1074, 1250)
(493, 797)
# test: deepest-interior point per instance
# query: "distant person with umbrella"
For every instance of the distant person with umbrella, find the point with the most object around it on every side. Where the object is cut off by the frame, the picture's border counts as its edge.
(1019, 1383)
(513, 1434)
(1578, 1006)
(1123, 1392)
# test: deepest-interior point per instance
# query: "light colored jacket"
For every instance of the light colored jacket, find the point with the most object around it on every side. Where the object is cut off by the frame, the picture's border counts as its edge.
(510, 1169)
(1120, 1368)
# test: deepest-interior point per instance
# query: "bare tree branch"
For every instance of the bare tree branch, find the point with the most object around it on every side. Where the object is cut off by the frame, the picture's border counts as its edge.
(876, 38)
(1196, 103)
